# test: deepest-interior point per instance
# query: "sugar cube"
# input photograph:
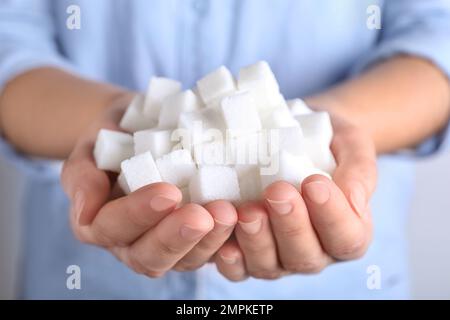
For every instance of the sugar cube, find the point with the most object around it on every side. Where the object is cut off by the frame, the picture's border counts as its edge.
(298, 107)
(280, 117)
(186, 197)
(244, 169)
(176, 167)
(247, 149)
(260, 80)
(216, 85)
(202, 125)
(289, 168)
(240, 114)
(158, 90)
(214, 183)
(158, 142)
(320, 155)
(210, 154)
(123, 184)
(111, 148)
(250, 185)
(174, 105)
(317, 126)
(288, 139)
(134, 119)
(140, 171)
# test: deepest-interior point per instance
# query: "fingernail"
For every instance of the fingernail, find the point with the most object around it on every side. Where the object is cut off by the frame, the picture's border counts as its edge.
(222, 226)
(78, 205)
(228, 260)
(358, 198)
(161, 204)
(251, 227)
(281, 207)
(190, 233)
(317, 192)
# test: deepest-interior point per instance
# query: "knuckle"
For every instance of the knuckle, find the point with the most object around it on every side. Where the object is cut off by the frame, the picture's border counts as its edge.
(207, 246)
(291, 231)
(81, 236)
(135, 216)
(134, 263)
(138, 266)
(311, 266)
(168, 249)
(187, 266)
(103, 238)
(265, 274)
(350, 250)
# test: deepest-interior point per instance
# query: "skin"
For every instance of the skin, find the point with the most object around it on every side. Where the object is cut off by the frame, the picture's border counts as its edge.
(295, 229)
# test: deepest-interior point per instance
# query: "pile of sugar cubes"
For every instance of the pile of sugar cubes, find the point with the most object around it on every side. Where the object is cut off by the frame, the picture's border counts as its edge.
(225, 139)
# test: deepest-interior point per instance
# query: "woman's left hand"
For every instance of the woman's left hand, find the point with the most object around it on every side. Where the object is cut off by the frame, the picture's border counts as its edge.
(304, 230)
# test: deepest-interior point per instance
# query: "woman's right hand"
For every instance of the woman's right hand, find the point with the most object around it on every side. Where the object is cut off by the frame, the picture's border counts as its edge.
(147, 230)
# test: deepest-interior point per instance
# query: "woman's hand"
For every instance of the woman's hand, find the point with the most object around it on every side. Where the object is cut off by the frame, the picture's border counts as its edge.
(304, 230)
(147, 230)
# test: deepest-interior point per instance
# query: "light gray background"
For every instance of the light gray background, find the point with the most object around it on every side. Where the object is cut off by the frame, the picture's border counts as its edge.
(429, 230)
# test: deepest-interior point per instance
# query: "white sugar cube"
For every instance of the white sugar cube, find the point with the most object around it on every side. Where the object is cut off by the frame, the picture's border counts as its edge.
(174, 105)
(260, 80)
(250, 185)
(158, 90)
(320, 155)
(290, 168)
(244, 169)
(216, 85)
(202, 125)
(111, 148)
(317, 126)
(240, 114)
(212, 154)
(158, 142)
(289, 139)
(134, 119)
(140, 171)
(246, 149)
(176, 167)
(214, 183)
(123, 184)
(280, 117)
(298, 107)
(185, 196)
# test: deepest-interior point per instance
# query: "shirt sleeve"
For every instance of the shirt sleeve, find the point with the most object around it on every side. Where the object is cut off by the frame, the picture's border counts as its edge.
(419, 28)
(27, 38)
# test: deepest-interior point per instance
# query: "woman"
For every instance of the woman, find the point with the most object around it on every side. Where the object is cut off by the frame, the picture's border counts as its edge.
(68, 68)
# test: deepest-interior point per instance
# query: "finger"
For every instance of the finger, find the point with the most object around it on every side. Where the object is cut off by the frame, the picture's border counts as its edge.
(160, 248)
(342, 233)
(356, 169)
(122, 221)
(298, 246)
(87, 187)
(225, 218)
(230, 261)
(256, 241)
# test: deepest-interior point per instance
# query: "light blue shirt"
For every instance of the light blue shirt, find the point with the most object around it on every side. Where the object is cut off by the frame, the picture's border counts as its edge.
(310, 44)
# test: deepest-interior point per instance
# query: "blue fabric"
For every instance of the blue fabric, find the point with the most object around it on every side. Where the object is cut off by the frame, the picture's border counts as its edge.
(310, 46)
